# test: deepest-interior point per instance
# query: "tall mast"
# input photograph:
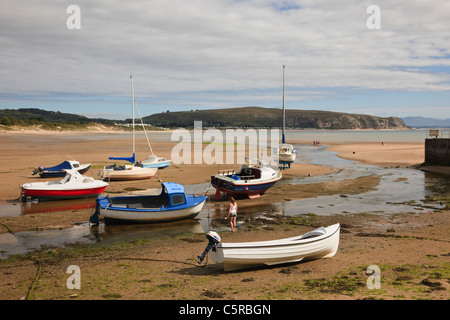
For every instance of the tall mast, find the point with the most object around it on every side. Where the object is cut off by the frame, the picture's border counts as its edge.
(132, 102)
(283, 140)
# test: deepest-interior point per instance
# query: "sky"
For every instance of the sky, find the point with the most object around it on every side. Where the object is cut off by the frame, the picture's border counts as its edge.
(208, 54)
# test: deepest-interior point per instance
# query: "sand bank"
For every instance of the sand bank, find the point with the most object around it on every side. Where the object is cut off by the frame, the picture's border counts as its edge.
(382, 154)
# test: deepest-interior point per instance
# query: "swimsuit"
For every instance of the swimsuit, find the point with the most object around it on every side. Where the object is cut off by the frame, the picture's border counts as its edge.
(233, 212)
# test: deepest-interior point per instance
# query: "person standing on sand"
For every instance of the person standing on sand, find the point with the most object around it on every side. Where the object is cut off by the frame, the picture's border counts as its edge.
(232, 214)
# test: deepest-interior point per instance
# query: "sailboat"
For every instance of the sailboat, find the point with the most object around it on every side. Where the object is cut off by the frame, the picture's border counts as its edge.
(152, 160)
(286, 152)
(133, 171)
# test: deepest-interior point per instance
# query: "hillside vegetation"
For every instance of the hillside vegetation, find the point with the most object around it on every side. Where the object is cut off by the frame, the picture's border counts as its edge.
(248, 117)
(272, 117)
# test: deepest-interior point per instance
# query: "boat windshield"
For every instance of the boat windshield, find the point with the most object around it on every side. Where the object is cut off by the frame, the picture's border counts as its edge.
(66, 178)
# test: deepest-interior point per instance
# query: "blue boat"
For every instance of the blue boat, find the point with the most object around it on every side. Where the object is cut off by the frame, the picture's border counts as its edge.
(171, 204)
(156, 162)
(59, 170)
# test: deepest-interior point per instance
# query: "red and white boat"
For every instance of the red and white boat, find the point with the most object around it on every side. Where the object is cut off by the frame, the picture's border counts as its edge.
(72, 186)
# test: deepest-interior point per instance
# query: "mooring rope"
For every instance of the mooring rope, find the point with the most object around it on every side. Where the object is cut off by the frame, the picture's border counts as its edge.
(36, 278)
(7, 228)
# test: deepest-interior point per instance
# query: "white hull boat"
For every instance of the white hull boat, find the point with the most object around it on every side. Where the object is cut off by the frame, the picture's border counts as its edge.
(149, 215)
(127, 172)
(171, 204)
(286, 153)
(133, 171)
(316, 244)
(72, 186)
(152, 161)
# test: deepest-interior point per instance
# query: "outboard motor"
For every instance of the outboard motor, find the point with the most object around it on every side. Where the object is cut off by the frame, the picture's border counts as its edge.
(38, 170)
(213, 240)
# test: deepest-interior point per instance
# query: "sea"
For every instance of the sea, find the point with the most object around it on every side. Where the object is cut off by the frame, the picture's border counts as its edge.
(400, 190)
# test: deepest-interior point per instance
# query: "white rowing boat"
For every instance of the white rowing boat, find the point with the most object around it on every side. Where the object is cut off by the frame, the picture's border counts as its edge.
(319, 243)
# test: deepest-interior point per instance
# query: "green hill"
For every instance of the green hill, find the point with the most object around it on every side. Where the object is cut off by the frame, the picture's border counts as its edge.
(247, 117)
(272, 117)
(47, 120)
(35, 116)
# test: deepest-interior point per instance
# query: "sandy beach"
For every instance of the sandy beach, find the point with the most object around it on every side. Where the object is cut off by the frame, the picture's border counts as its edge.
(412, 249)
(382, 154)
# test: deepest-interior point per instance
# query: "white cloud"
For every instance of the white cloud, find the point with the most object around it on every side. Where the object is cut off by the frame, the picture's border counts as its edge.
(201, 50)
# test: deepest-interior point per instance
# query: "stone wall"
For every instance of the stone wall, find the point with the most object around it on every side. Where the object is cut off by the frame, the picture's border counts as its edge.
(437, 152)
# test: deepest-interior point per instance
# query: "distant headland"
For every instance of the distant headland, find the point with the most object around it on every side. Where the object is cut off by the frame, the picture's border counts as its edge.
(244, 117)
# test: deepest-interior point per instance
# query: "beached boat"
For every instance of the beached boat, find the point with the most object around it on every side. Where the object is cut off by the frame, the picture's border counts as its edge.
(59, 170)
(133, 171)
(316, 244)
(171, 204)
(153, 161)
(250, 180)
(72, 186)
(126, 172)
(286, 152)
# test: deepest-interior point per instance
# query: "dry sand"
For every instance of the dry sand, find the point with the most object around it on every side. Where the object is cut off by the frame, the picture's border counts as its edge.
(412, 250)
(387, 154)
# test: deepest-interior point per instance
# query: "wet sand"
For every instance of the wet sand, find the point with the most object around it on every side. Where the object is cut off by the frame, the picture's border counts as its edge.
(412, 250)
(390, 154)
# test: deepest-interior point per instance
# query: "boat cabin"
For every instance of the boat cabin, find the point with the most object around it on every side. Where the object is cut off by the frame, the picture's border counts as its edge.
(174, 192)
(172, 195)
(286, 148)
(248, 172)
(74, 175)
